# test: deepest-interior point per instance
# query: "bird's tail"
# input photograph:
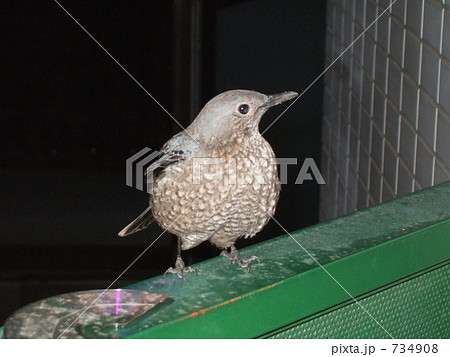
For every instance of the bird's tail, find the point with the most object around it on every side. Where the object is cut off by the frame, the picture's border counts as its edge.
(143, 221)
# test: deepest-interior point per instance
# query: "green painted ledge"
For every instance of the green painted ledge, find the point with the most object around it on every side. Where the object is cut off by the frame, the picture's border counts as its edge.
(366, 251)
(363, 251)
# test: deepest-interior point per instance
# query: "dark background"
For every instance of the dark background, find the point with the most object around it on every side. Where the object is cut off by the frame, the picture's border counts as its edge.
(70, 116)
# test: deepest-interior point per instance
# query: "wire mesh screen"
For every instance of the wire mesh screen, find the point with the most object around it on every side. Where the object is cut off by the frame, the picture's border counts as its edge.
(412, 309)
(386, 127)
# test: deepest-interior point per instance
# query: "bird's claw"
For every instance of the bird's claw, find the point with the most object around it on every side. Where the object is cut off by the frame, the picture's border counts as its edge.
(235, 257)
(180, 268)
(247, 263)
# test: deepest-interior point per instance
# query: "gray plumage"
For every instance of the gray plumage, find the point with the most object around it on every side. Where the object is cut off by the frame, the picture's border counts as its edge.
(217, 180)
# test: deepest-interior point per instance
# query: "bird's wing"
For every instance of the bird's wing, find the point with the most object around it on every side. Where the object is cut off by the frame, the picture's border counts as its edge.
(180, 147)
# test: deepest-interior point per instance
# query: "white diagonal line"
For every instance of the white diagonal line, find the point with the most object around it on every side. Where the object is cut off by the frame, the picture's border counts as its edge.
(128, 267)
(123, 68)
(325, 270)
(326, 69)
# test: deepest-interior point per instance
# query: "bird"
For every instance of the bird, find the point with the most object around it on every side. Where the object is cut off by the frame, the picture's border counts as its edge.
(217, 180)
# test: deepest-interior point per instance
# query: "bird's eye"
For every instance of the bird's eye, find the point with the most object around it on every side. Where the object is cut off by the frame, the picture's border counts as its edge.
(243, 109)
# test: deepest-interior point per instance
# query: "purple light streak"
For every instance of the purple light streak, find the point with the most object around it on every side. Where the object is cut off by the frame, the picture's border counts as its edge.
(117, 301)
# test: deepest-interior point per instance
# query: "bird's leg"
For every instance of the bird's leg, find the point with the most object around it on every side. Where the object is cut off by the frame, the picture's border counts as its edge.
(180, 267)
(235, 257)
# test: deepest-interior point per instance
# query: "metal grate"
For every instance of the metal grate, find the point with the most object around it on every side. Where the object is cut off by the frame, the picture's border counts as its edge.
(386, 124)
(413, 309)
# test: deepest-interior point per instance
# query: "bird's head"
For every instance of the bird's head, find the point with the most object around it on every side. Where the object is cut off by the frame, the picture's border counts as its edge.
(233, 114)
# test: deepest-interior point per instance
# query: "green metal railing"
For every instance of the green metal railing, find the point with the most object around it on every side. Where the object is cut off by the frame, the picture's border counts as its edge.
(384, 273)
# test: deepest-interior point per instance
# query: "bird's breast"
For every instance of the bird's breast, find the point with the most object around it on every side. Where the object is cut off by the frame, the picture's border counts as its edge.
(227, 191)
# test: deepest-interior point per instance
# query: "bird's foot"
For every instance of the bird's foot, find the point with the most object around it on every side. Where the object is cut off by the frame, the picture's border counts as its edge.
(235, 257)
(180, 269)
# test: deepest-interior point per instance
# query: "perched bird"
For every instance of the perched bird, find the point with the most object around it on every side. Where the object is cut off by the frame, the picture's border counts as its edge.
(217, 180)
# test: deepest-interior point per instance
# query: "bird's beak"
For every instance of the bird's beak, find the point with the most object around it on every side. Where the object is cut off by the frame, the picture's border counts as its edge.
(275, 99)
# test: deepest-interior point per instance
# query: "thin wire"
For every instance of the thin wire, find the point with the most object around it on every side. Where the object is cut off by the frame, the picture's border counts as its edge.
(124, 69)
(326, 69)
